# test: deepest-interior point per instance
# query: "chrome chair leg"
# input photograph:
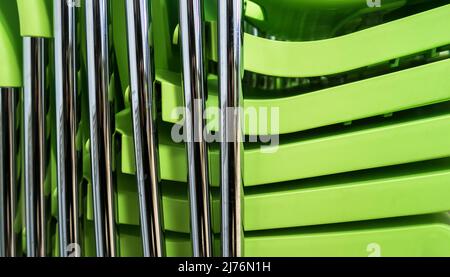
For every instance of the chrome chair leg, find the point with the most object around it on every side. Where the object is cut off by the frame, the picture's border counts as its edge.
(8, 174)
(192, 42)
(142, 77)
(34, 145)
(100, 126)
(231, 150)
(66, 126)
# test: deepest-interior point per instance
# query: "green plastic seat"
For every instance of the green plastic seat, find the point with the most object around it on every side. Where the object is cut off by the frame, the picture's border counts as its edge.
(402, 37)
(284, 199)
(317, 19)
(11, 46)
(388, 93)
(35, 18)
(411, 189)
(317, 155)
(418, 236)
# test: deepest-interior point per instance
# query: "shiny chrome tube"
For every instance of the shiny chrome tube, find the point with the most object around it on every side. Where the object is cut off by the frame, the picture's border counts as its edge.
(34, 145)
(140, 56)
(100, 127)
(230, 98)
(67, 158)
(8, 172)
(192, 42)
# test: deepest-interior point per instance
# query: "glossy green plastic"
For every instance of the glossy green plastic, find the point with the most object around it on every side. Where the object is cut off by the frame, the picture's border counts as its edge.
(386, 145)
(381, 193)
(381, 43)
(412, 237)
(296, 186)
(10, 46)
(317, 155)
(35, 18)
(414, 87)
(406, 190)
(417, 236)
(317, 19)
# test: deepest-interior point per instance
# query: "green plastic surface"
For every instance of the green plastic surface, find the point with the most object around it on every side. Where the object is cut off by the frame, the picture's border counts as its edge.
(421, 236)
(297, 186)
(380, 193)
(381, 43)
(404, 190)
(369, 148)
(417, 236)
(317, 19)
(317, 155)
(35, 18)
(10, 46)
(380, 95)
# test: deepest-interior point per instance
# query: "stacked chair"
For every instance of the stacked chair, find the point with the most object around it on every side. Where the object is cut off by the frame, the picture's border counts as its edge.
(354, 160)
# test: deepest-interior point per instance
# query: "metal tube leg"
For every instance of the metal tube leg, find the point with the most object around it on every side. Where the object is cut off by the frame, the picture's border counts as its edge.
(66, 127)
(100, 126)
(3, 180)
(34, 145)
(140, 56)
(231, 150)
(192, 41)
(7, 171)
